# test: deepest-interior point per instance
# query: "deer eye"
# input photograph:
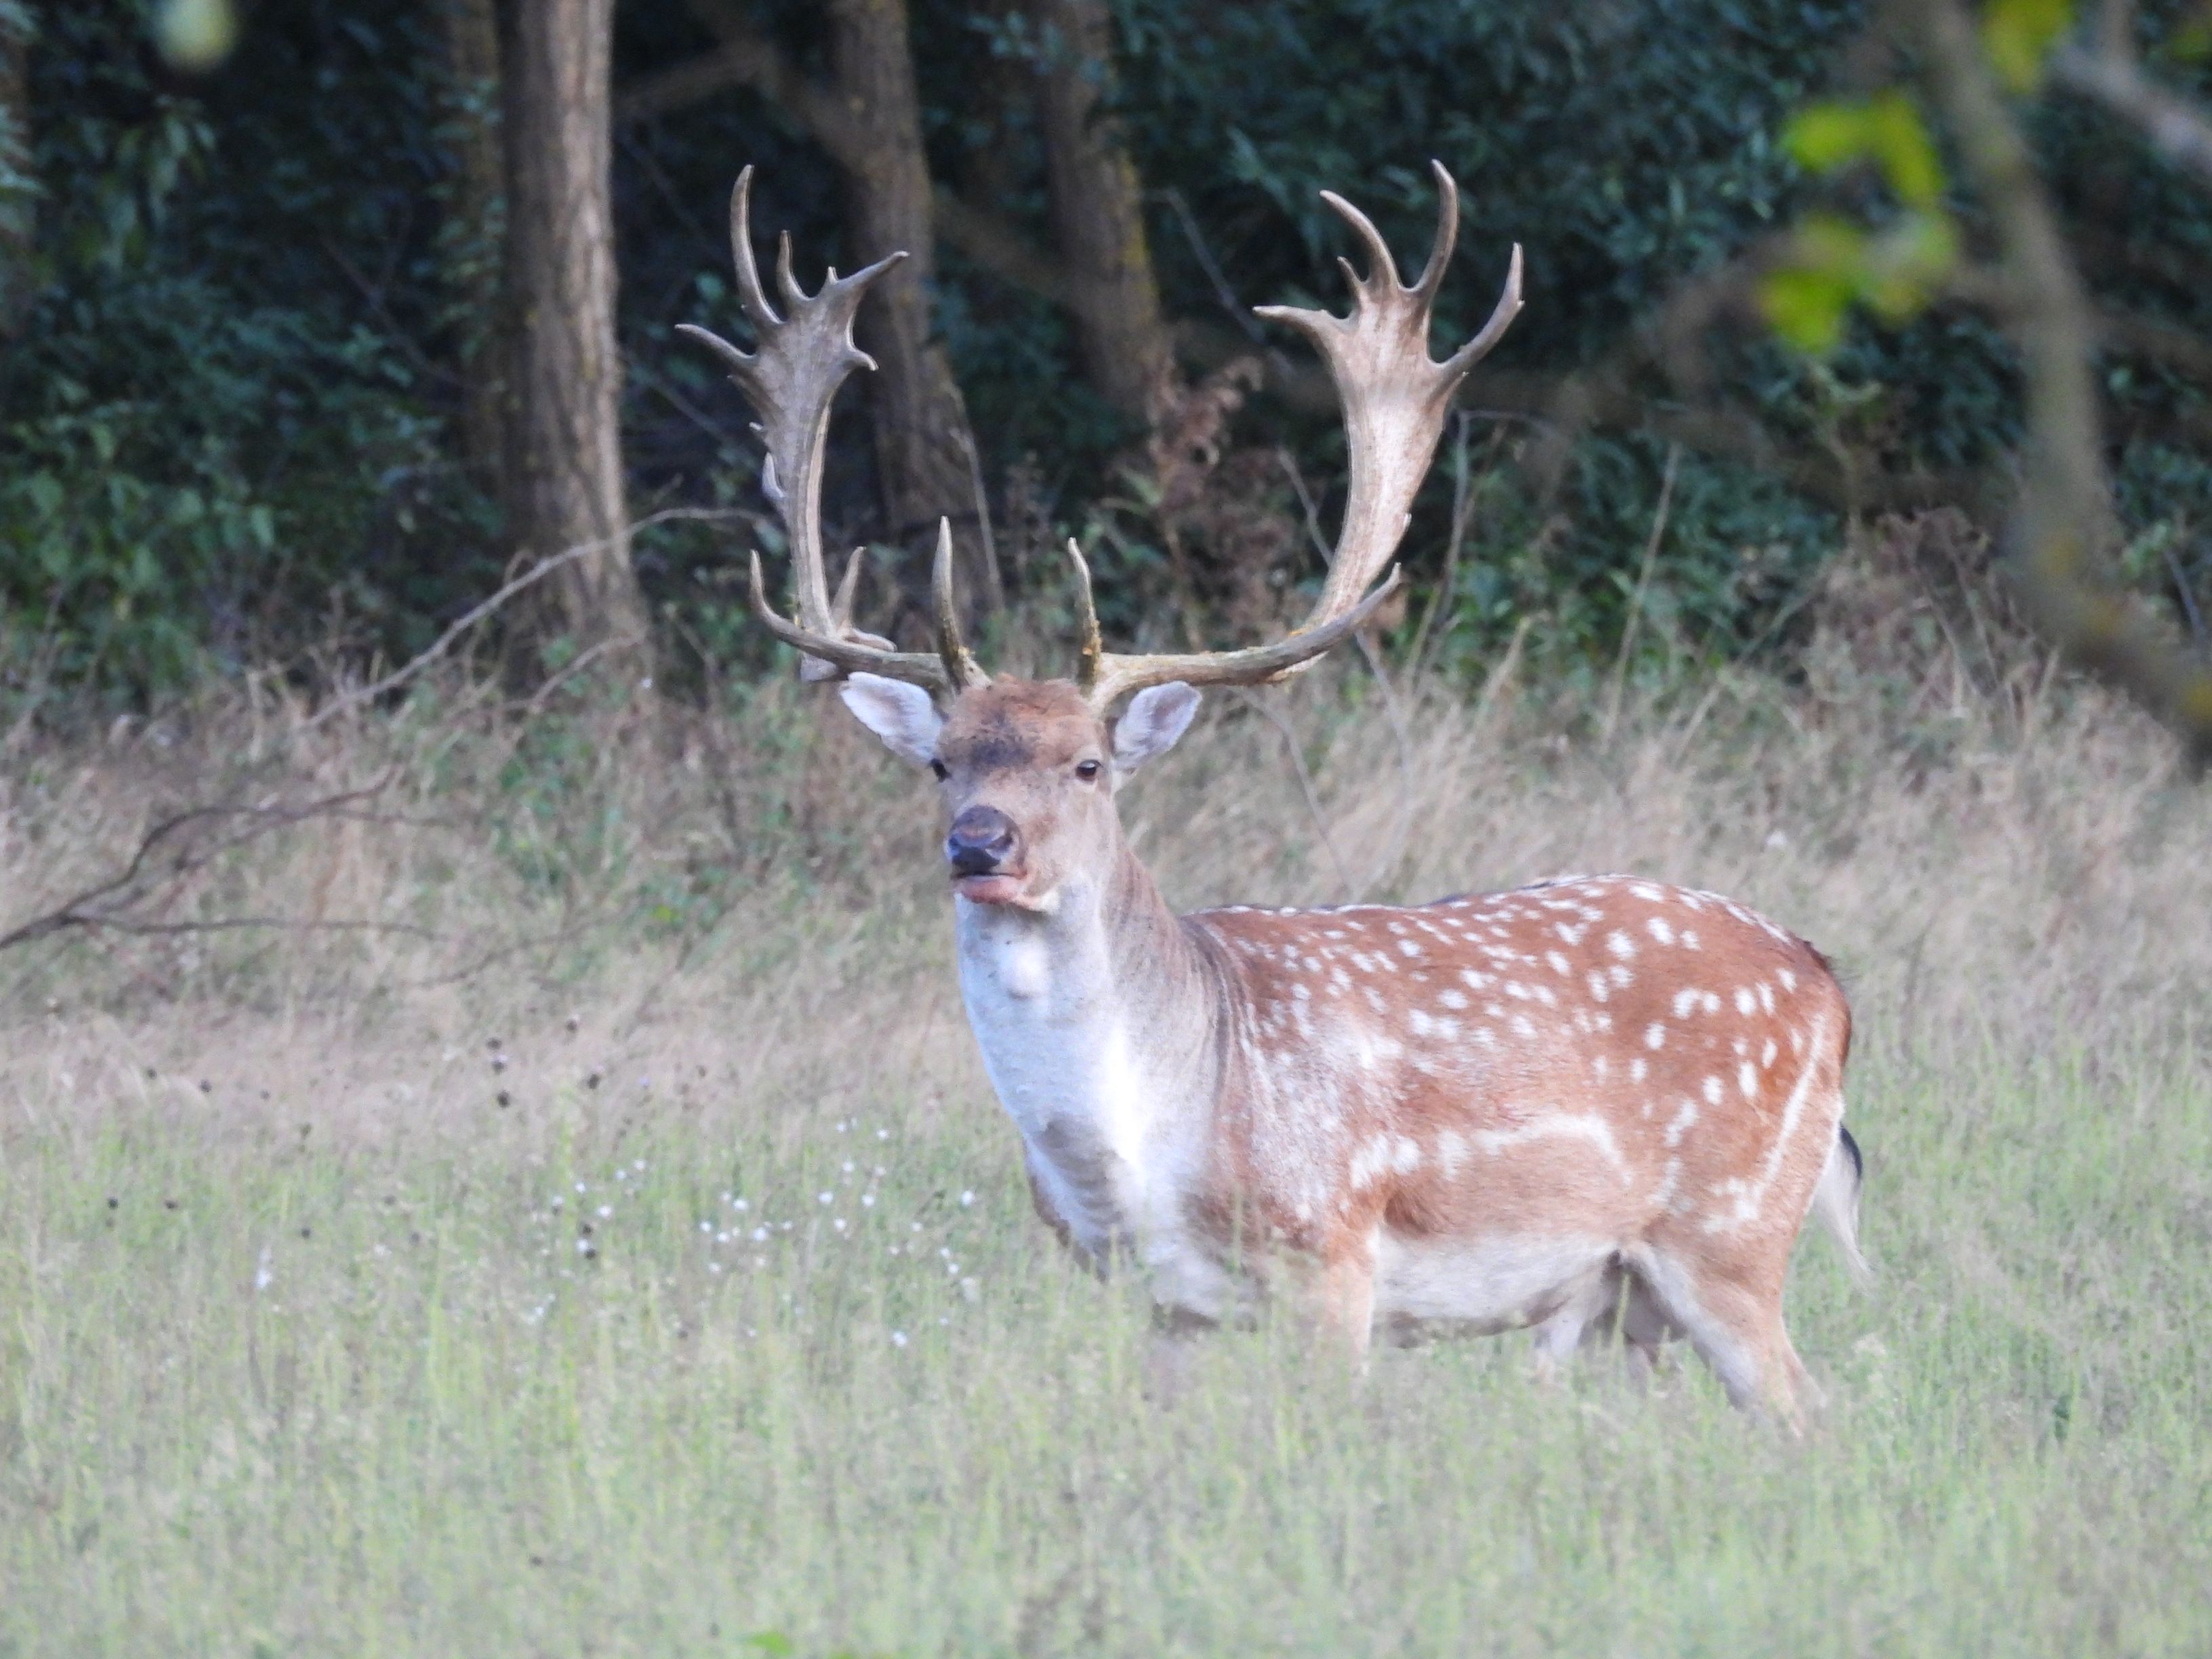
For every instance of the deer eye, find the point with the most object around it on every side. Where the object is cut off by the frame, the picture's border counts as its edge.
(937, 767)
(1087, 770)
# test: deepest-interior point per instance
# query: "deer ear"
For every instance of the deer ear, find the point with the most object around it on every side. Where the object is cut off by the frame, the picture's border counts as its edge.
(1156, 717)
(903, 715)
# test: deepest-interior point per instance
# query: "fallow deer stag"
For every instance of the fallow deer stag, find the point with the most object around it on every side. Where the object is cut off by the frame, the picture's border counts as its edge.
(1528, 1108)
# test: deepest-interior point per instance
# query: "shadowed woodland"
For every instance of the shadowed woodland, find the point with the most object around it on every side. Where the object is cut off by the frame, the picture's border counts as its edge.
(322, 322)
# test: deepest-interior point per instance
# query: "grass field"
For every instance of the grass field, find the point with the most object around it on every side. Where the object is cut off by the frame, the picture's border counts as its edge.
(305, 1346)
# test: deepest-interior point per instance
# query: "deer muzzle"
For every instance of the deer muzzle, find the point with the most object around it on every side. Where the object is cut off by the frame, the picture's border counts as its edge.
(980, 843)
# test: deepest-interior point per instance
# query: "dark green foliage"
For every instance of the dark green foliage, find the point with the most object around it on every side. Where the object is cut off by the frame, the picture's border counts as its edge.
(228, 427)
(223, 425)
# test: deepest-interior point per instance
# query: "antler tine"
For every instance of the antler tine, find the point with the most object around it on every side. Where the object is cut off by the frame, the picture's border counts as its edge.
(751, 295)
(1394, 397)
(790, 380)
(1440, 250)
(845, 655)
(1093, 651)
(961, 667)
(1382, 265)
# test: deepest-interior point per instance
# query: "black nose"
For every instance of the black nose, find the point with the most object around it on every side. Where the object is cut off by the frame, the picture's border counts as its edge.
(980, 839)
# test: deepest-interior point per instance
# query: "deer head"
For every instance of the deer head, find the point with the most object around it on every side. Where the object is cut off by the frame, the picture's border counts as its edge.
(1028, 770)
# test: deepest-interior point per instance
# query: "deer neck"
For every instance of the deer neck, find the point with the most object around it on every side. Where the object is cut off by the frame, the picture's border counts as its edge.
(1097, 1020)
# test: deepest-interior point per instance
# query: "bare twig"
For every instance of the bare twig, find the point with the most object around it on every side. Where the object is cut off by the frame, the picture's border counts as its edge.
(993, 579)
(113, 904)
(1395, 847)
(1259, 705)
(1462, 509)
(1636, 597)
(2169, 123)
(1239, 313)
(2188, 597)
(485, 608)
(2062, 523)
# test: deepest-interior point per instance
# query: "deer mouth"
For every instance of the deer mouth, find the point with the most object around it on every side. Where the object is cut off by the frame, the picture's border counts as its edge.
(996, 888)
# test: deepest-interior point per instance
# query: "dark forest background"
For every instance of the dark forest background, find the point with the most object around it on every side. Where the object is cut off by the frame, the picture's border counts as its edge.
(281, 291)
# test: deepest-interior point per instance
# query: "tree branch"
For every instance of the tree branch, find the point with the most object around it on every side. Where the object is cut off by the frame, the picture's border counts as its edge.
(2168, 124)
(2062, 521)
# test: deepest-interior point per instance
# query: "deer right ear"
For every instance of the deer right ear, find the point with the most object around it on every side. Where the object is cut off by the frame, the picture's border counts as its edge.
(903, 715)
(1156, 717)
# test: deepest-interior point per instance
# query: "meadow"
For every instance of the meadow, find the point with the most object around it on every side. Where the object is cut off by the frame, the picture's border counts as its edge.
(584, 1226)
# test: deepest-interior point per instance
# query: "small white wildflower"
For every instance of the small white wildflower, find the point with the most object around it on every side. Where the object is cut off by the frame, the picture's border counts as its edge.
(639, 1165)
(899, 1339)
(706, 1226)
(966, 1198)
(838, 1222)
(739, 1205)
(714, 1266)
(581, 1187)
(952, 1268)
(583, 1247)
(759, 1235)
(848, 1166)
(868, 1200)
(882, 1134)
(823, 1198)
(606, 1210)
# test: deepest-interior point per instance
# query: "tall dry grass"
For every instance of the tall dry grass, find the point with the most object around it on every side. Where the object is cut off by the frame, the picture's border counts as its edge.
(754, 887)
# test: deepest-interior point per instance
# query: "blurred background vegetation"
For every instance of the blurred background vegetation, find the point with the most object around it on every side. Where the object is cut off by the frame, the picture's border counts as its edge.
(301, 334)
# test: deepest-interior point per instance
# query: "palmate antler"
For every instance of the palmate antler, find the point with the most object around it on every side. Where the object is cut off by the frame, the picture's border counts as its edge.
(1394, 399)
(790, 380)
(1394, 402)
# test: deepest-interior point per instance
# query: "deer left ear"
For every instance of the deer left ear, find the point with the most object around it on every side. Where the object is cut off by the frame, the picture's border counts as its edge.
(1148, 728)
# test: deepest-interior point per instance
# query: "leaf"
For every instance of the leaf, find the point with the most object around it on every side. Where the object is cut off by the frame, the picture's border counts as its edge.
(1887, 130)
(1807, 306)
(2018, 35)
(1824, 137)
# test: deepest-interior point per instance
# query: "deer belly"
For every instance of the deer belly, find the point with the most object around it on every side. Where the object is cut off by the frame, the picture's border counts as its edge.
(1481, 1282)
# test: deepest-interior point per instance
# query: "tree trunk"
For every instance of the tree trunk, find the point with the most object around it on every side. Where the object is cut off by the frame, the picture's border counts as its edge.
(472, 241)
(914, 403)
(1097, 209)
(18, 186)
(564, 475)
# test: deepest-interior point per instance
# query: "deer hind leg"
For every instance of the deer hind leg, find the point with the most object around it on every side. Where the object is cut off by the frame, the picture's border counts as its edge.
(1733, 1320)
(1584, 1319)
(1644, 1328)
